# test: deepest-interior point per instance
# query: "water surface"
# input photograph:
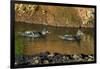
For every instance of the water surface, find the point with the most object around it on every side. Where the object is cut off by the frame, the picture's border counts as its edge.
(51, 42)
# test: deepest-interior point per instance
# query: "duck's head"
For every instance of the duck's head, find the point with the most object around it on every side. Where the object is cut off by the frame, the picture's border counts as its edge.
(79, 32)
(44, 32)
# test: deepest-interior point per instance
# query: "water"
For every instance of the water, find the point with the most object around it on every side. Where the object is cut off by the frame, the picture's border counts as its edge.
(51, 42)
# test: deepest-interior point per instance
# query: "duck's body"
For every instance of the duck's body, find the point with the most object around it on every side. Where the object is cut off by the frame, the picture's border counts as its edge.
(72, 37)
(34, 34)
(31, 34)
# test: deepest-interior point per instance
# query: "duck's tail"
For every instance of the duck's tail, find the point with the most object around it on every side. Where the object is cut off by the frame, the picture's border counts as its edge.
(61, 37)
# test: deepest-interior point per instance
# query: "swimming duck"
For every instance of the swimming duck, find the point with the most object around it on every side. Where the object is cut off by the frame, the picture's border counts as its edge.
(35, 34)
(72, 37)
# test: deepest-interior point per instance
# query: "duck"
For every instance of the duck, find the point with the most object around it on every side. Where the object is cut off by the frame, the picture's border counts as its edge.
(72, 37)
(35, 34)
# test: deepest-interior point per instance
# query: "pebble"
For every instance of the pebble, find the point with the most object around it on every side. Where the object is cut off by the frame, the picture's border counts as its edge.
(36, 61)
(45, 62)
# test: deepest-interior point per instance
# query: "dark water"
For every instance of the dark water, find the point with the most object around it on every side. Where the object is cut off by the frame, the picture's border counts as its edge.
(51, 42)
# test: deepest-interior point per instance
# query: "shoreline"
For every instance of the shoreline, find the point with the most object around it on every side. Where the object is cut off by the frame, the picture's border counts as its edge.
(52, 58)
(68, 26)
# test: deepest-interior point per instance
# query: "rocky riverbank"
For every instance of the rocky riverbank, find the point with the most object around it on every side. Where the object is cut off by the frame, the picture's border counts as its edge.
(52, 58)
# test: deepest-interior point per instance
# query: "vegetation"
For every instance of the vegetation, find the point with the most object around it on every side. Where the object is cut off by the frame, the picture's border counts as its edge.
(18, 46)
(54, 15)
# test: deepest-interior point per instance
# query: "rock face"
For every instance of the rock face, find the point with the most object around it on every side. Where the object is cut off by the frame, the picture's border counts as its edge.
(54, 15)
(86, 15)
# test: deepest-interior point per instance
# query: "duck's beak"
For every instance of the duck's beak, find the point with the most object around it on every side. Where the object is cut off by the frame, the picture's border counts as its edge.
(48, 32)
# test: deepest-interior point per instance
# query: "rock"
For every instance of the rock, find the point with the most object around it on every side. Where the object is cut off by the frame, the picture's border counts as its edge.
(75, 56)
(16, 62)
(90, 59)
(91, 56)
(45, 62)
(51, 55)
(80, 59)
(36, 61)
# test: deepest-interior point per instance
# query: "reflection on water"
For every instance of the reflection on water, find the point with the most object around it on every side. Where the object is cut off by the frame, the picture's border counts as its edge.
(51, 42)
